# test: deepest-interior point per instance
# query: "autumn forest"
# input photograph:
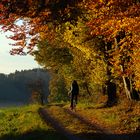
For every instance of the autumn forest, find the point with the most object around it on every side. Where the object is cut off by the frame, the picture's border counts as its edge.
(96, 42)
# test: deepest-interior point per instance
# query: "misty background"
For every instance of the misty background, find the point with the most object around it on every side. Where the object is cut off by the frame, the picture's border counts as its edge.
(14, 87)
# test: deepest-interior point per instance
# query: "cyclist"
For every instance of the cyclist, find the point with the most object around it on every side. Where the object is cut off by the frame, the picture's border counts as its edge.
(74, 93)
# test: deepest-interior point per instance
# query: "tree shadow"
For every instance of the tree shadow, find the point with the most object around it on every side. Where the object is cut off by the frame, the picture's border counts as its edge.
(38, 134)
(102, 136)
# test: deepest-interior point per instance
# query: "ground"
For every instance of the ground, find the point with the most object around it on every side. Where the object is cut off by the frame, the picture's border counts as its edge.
(90, 121)
(57, 121)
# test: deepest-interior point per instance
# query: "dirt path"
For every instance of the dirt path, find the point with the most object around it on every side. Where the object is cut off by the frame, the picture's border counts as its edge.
(56, 125)
(106, 133)
(98, 128)
(101, 133)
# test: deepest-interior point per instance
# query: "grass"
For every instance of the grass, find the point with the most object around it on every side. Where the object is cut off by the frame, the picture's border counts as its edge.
(120, 119)
(104, 117)
(114, 119)
(24, 123)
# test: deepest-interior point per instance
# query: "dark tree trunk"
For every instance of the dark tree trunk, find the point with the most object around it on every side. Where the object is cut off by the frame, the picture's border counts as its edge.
(87, 88)
(110, 86)
(126, 86)
(111, 92)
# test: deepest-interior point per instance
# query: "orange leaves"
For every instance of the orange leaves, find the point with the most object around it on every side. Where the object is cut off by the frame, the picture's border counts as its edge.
(106, 20)
(18, 36)
(18, 51)
(45, 13)
(43, 28)
(1, 7)
(36, 14)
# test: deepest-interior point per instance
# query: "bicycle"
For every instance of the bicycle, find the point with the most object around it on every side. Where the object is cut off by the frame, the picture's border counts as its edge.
(73, 105)
(73, 101)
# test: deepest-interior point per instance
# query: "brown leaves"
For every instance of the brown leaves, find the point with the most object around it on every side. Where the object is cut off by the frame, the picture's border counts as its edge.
(106, 20)
(18, 51)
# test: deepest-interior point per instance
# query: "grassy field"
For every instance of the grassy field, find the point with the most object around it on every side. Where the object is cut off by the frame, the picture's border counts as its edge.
(24, 123)
(123, 118)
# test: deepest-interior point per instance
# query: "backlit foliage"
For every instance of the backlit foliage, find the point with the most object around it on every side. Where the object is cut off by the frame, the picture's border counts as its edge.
(91, 40)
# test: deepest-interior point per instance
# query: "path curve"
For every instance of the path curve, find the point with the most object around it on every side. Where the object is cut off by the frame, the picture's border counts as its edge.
(108, 134)
(56, 125)
(103, 134)
(86, 121)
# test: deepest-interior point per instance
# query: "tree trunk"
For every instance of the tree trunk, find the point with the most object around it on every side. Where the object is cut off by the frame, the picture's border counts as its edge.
(110, 86)
(87, 89)
(127, 91)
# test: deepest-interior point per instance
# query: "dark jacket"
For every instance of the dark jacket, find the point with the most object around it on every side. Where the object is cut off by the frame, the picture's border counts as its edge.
(74, 88)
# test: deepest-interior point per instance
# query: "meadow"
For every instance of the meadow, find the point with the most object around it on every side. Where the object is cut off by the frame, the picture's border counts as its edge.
(24, 123)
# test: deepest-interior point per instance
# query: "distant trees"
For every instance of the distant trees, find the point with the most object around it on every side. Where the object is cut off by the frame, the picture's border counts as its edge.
(14, 87)
(37, 92)
(58, 90)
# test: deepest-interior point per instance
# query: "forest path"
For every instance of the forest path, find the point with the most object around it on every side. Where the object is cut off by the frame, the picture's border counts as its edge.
(73, 122)
(95, 126)
(76, 127)
(57, 125)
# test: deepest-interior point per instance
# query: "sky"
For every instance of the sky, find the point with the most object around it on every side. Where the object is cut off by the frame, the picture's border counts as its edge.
(10, 63)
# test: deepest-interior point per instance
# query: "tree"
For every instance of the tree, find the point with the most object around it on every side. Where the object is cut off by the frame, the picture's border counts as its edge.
(97, 39)
(88, 60)
(123, 36)
(58, 91)
(37, 92)
(37, 16)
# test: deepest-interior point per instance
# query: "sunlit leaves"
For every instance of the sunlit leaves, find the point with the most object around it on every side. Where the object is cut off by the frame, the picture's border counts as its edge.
(77, 34)
(109, 19)
(37, 15)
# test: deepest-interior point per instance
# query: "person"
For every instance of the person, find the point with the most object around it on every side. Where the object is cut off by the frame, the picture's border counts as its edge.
(74, 93)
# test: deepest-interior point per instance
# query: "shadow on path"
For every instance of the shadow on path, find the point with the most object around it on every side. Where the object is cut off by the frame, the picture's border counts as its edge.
(101, 134)
(87, 122)
(104, 133)
(35, 135)
(56, 125)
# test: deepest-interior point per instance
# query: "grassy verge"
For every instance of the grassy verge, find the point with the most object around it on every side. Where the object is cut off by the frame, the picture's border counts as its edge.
(24, 123)
(121, 119)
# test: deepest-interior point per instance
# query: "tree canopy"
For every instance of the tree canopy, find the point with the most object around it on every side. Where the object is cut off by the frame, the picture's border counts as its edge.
(94, 41)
